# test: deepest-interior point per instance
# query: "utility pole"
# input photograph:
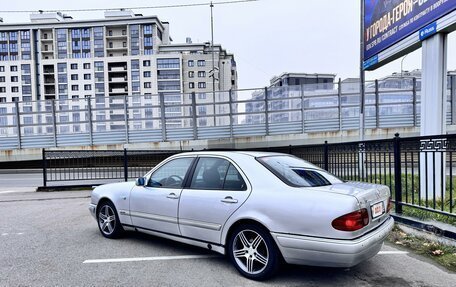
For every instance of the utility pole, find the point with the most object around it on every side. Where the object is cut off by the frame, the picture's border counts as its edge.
(213, 60)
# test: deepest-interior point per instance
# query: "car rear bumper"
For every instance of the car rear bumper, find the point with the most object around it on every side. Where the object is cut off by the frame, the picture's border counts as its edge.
(93, 209)
(305, 250)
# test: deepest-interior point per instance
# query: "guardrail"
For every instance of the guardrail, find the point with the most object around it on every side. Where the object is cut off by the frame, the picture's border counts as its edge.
(104, 120)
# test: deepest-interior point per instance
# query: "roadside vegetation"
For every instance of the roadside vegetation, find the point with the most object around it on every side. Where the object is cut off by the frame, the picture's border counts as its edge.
(442, 254)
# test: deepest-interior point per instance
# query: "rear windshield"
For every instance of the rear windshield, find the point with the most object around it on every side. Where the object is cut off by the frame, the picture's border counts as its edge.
(297, 172)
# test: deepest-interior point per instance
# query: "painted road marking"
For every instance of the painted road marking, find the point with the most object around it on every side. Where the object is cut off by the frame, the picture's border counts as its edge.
(115, 260)
(392, 252)
(10, 191)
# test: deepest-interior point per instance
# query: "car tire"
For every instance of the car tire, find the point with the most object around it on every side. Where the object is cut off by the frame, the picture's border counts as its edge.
(253, 252)
(108, 220)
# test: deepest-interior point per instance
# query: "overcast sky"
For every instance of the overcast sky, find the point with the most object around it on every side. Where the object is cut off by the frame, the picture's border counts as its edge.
(267, 37)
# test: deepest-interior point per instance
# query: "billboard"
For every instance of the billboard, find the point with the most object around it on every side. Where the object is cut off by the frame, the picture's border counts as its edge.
(386, 22)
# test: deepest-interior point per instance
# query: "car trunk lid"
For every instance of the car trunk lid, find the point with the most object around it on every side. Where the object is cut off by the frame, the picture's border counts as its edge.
(373, 197)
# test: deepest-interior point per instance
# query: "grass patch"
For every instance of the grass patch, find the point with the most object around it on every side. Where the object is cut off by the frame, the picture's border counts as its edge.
(426, 215)
(442, 254)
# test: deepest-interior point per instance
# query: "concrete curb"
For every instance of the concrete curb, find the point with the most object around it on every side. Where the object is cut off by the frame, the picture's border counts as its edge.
(443, 233)
(66, 188)
(20, 171)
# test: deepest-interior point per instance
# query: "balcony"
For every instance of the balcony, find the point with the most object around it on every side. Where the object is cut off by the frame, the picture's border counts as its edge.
(118, 69)
(118, 79)
(49, 90)
(118, 90)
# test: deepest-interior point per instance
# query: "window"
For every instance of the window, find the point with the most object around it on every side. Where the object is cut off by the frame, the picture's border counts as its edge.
(74, 77)
(2, 90)
(74, 66)
(86, 66)
(168, 63)
(74, 87)
(61, 68)
(191, 85)
(124, 44)
(2, 68)
(201, 96)
(87, 87)
(87, 76)
(146, 63)
(216, 174)
(201, 63)
(14, 79)
(147, 85)
(15, 89)
(135, 64)
(191, 74)
(171, 174)
(13, 68)
(201, 74)
(2, 79)
(297, 172)
(124, 32)
(147, 74)
(191, 63)
(202, 85)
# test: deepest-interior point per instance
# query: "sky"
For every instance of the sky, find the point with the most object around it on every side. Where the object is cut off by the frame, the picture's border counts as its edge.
(267, 37)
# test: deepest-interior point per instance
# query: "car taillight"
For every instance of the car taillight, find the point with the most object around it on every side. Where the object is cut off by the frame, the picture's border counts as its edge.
(390, 205)
(352, 221)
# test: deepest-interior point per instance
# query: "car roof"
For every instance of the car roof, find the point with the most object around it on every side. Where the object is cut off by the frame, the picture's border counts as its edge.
(230, 153)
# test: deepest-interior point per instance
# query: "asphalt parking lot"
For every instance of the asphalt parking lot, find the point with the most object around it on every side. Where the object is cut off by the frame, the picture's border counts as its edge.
(49, 239)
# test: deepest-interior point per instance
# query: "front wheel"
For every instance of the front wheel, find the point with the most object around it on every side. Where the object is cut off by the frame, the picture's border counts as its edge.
(253, 252)
(108, 221)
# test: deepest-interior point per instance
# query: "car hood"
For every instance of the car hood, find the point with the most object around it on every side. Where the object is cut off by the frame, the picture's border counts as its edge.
(118, 185)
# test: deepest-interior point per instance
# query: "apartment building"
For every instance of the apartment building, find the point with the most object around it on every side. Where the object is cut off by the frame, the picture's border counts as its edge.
(55, 57)
(284, 87)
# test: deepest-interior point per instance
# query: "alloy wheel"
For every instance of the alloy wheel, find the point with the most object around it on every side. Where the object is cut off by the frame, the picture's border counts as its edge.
(250, 251)
(107, 220)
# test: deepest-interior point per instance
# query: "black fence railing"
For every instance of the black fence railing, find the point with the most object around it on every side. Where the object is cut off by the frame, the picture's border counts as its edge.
(98, 165)
(418, 170)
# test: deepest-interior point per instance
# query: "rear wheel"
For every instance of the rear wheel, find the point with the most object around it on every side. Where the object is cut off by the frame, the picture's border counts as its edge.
(253, 252)
(108, 220)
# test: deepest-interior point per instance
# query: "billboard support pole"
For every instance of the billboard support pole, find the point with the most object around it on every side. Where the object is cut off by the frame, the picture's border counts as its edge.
(361, 75)
(361, 155)
(433, 116)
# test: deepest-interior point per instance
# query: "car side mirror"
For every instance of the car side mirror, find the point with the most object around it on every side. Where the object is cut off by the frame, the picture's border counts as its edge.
(141, 181)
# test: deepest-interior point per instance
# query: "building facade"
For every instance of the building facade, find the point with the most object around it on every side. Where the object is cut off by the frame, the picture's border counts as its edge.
(285, 92)
(57, 58)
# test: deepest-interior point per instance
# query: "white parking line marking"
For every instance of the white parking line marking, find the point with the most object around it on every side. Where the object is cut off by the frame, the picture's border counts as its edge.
(9, 191)
(392, 252)
(4, 234)
(115, 260)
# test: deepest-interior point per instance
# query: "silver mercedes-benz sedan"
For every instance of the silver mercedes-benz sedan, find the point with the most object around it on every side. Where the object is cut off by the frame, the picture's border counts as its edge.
(256, 207)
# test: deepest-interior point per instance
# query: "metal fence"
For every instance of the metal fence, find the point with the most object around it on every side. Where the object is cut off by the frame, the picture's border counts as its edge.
(313, 108)
(418, 170)
(83, 167)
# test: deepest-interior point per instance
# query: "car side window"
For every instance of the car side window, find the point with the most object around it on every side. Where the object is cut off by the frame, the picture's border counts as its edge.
(233, 180)
(171, 174)
(216, 174)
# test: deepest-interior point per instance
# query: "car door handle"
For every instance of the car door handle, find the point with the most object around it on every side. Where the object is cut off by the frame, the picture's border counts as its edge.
(229, 199)
(172, 196)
